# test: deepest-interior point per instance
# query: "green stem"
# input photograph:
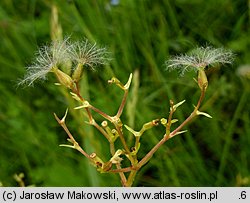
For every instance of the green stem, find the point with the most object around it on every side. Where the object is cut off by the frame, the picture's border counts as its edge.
(170, 118)
(131, 178)
(137, 142)
(121, 174)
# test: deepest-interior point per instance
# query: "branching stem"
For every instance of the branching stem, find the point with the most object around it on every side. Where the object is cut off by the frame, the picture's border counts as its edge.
(172, 134)
(73, 141)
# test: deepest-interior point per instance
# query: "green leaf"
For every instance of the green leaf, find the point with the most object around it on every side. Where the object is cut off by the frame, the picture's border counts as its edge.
(203, 114)
(176, 105)
(174, 121)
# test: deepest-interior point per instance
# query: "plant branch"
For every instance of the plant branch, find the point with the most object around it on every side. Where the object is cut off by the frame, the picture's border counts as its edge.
(120, 110)
(100, 129)
(172, 134)
(73, 141)
(124, 170)
(104, 115)
(121, 136)
(168, 126)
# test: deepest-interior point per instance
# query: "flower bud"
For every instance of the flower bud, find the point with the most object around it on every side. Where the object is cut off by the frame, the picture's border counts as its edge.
(202, 79)
(64, 79)
(77, 73)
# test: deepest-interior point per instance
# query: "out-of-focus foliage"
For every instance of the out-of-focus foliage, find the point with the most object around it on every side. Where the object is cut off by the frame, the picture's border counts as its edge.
(141, 35)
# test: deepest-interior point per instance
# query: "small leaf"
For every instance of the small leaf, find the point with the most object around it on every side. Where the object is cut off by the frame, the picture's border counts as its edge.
(181, 132)
(79, 107)
(174, 121)
(69, 146)
(129, 82)
(75, 96)
(176, 105)
(85, 104)
(203, 114)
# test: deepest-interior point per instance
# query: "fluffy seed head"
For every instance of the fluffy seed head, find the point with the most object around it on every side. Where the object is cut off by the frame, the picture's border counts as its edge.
(200, 58)
(48, 57)
(89, 54)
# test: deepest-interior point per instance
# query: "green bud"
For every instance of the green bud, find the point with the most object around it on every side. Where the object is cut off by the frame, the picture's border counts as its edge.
(202, 79)
(64, 79)
(164, 121)
(77, 72)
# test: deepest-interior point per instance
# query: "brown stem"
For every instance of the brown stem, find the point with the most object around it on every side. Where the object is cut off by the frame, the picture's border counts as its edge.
(62, 124)
(117, 116)
(74, 142)
(124, 170)
(121, 136)
(106, 116)
(78, 148)
(172, 134)
(119, 112)
(192, 115)
(152, 151)
(89, 115)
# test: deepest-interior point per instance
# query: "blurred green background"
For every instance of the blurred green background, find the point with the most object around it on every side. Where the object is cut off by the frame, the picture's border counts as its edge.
(140, 34)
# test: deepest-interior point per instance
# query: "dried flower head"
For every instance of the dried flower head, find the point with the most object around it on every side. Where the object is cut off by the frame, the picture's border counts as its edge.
(200, 58)
(89, 54)
(48, 57)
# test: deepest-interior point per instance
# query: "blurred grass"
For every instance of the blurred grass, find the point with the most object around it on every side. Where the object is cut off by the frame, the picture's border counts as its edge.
(141, 35)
